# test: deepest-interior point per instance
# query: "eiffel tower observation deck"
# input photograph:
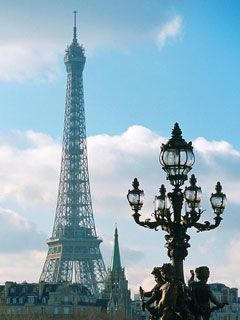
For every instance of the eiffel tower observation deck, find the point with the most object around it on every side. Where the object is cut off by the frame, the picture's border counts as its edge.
(74, 255)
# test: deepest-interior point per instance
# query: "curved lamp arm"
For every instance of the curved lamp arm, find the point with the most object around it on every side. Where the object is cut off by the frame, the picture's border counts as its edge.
(150, 224)
(206, 226)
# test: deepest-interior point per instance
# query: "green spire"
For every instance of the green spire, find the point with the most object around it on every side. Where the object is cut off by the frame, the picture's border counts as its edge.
(116, 260)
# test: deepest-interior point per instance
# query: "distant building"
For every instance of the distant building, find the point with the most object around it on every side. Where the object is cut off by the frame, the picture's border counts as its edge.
(136, 309)
(226, 294)
(43, 298)
(116, 285)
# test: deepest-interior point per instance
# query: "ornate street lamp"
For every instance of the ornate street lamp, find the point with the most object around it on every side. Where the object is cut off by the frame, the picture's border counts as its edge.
(177, 159)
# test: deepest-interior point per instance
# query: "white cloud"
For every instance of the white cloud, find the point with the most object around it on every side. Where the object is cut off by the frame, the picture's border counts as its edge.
(226, 270)
(140, 276)
(213, 149)
(21, 266)
(219, 160)
(17, 233)
(125, 149)
(29, 176)
(27, 61)
(30, 167)
(169, 30)
(206, 246)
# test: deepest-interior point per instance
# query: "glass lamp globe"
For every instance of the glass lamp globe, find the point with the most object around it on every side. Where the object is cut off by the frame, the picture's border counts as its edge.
(193, 193)
(135, 196)
(162, 202)
(177, 157)
(218, 199)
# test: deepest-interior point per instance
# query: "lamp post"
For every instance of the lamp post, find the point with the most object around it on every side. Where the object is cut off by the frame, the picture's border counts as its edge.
(177, 159)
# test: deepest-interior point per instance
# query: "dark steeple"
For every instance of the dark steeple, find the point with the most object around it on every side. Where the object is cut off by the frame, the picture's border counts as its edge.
(116, 285)
(116, 260)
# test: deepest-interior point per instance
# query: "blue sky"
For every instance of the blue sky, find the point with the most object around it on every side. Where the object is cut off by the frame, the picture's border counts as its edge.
(149, 64)
(128, 78)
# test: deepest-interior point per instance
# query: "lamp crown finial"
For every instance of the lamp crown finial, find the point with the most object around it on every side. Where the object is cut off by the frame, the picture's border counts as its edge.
(162, 190)
(193, 180)
(176, 132)
(135, 183)
(218, 187)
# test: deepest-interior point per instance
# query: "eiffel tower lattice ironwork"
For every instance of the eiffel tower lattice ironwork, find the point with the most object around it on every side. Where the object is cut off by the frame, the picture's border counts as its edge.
(74, 254)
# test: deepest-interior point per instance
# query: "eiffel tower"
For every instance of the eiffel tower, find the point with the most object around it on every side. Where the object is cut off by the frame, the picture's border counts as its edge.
(74, 255)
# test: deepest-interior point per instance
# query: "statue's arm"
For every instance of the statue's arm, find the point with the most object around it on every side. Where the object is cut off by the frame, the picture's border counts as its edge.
(144, 293)
(191, 279)
(154, 297)
(214, 300)
(148, 294)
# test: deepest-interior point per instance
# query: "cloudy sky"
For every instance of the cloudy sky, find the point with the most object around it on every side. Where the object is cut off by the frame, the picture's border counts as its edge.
(149, 64)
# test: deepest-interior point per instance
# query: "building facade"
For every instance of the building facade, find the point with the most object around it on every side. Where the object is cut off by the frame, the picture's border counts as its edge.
(46, 299)
(229, 295)
(136, 309)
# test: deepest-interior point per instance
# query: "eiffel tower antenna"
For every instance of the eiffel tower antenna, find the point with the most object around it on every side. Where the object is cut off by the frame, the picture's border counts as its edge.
(75, 25)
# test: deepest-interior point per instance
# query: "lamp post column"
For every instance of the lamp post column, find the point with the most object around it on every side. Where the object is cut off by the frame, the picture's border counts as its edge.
(177, 239)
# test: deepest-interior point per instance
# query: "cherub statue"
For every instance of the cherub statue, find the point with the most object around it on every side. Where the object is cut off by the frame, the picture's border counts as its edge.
(167, 300)
(168, 304)
(201, 294)
(154, 295)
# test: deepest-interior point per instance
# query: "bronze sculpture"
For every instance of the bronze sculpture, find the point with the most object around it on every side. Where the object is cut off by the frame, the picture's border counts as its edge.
(154, 295)
(168, 297)
(201, 294)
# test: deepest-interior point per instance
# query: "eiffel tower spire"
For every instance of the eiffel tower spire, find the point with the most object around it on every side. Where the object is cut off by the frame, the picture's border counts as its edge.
(74, 254)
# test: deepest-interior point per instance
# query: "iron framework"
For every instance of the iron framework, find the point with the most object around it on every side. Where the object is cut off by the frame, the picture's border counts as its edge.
(74, 254)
